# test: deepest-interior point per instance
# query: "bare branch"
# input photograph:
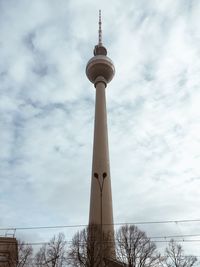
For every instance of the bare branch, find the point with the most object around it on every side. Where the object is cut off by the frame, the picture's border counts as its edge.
(174, 256)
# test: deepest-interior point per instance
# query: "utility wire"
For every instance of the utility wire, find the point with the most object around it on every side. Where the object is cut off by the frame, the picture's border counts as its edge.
(175, 236)
(85, 225)
(150, 237)
(70, 242)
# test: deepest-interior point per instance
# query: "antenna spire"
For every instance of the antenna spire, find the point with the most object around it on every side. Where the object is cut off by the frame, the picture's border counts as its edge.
(100, 31)
(99, 49)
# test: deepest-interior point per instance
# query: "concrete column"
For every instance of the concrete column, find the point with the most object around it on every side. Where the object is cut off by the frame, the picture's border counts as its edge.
(100, 70)
(101, 209)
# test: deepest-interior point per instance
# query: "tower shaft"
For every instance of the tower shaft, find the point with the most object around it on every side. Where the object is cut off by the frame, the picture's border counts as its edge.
(100, 71)
(101, 165)
(101, 213)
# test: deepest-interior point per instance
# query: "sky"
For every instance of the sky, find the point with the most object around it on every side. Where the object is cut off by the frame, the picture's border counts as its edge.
(47, 114)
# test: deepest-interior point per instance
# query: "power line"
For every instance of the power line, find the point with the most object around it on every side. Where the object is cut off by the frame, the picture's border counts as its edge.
(175, 236)
(162, 222)
(178, 241)
(70, 242)
(85, 225)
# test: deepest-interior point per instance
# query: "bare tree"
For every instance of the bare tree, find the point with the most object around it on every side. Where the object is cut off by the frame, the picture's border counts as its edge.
(25, 253)
(174, 256)
(85, 250)
(134, 248)
(53, 253)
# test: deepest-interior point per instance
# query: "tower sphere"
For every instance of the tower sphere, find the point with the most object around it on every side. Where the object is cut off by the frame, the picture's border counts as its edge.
(100, 65)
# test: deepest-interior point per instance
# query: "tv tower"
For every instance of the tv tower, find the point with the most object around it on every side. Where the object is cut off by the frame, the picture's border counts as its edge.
(100, 71)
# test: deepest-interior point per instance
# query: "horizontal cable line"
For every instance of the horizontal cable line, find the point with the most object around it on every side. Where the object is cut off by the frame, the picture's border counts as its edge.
(82, 243)
(149, 237)
(178, 241)
(162, 222)
(175, 236)
(43, 227)
(85, 225)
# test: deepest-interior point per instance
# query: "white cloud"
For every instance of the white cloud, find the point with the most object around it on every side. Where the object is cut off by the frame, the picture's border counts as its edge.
(47, 106)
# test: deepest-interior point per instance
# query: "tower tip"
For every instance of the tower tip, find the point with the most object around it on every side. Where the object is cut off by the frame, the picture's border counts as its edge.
(99, 48)
(100, 30)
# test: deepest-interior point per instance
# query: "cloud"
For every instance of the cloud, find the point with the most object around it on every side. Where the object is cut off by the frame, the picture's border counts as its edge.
(47, 111)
